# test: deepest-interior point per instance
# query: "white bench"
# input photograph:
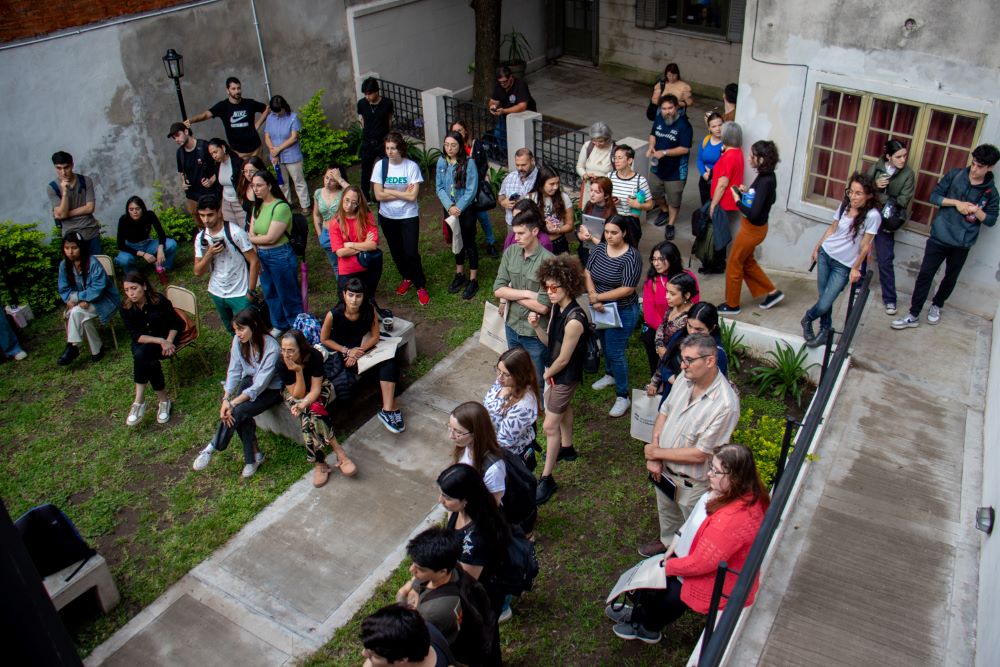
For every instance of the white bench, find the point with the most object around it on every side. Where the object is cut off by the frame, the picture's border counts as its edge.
(93, 574)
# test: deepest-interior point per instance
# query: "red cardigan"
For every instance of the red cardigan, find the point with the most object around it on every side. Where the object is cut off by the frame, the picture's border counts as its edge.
(726, 535)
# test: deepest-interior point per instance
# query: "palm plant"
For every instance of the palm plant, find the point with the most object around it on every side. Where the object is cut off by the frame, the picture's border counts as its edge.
(732, 344)
(786, 373)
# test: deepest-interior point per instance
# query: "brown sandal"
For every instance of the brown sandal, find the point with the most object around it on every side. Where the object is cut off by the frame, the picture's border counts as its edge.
(347, 467)
(321, 473)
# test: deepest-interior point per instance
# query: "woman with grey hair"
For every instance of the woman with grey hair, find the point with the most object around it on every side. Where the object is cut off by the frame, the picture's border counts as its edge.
(728, 172)
(595, 158)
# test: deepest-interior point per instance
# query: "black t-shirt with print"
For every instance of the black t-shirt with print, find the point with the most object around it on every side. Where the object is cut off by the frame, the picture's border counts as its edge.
(518, 93)
(241, 132)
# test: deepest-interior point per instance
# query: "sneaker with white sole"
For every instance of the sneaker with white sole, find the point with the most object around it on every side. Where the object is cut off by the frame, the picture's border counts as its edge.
(620, 407)
(21, 356)
(772, 300)
(934, 315)
(204, 458)
(505, 615)
(619, 613)
(163, 410)
(135, 414)
(890, 309)
(636, 631)
(388, 420)
(907, 322)
(604, 382)
(250, 468)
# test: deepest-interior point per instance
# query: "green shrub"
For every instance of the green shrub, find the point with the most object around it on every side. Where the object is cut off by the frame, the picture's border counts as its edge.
(732, 344)
(763, 435)
(355, 134)
(495, 177)
(177, 224)
(27, 267)
(786, 372)
(426, 158)
(322, 146)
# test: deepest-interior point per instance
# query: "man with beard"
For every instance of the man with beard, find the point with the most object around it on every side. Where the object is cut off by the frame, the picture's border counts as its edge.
(669, 145)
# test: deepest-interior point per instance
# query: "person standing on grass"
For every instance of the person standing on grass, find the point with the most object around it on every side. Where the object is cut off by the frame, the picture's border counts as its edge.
(699, 415)
(741, 265)
(237, 115)
(195, 166)
(72, 197)
(456, 190)
(251, 387)
(229, 171)
(594, 160)
(352, 232)
(564, 338)
(326, 203)
(269, 226)
(512, 403)
(518, 287)
(555, 207)
(281, 134)
(375, 113)
(395, 635)
(396, 183)
(474, 441)
(153, 325)
(476, 151)
(669, 145)
(967, 201)
(516, 185)
(229, 258)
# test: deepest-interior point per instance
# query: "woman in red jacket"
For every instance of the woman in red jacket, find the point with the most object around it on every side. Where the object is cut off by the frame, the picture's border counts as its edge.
(725, 523)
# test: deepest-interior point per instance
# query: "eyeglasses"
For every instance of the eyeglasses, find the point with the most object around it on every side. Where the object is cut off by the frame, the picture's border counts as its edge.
(657, 258)
(502, 374)
(715, 472)
(687, 361)
(453, 432)
(552, 288)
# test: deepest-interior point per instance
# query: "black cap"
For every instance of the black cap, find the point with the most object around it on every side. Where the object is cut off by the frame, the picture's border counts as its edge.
(175, 128)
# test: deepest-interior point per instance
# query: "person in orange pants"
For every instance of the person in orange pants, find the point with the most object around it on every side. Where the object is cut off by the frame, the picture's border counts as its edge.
(755, 204)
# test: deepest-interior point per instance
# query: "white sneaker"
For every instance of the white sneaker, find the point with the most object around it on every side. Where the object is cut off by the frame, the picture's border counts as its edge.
(135, 414)
(21, 356)
(204, 457)
(275, 332)
(163, 412)
(604, 382)
(620, 407)
(907, 322)
(250, 468)
(890, 309)
(934, 315)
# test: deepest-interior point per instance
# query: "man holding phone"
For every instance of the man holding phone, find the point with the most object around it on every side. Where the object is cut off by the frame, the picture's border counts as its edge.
(517, 184)
(225, 252)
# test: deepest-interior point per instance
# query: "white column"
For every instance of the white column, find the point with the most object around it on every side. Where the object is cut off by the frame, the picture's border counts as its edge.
(520, 133)
(435, 117)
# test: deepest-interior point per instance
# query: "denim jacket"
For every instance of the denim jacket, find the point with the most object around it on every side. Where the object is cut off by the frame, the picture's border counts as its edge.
(452, 194)
(97, 290)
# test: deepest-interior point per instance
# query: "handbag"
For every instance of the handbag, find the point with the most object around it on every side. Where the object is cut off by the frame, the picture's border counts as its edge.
(367, 258)
(893, 215)
(486, 199)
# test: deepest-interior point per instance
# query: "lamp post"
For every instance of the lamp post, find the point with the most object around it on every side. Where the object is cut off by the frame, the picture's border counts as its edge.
(174, 63)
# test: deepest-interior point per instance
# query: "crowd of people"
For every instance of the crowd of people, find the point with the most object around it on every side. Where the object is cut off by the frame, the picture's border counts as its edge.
(709, 497)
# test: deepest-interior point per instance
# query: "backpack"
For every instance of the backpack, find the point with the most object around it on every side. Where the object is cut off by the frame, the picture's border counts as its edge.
(256, 301)
(52, 541)
(704, 250)
(298, 234)
(309, 326)
(592, 357)
(518, 503)
(519, 566)
(475, 627)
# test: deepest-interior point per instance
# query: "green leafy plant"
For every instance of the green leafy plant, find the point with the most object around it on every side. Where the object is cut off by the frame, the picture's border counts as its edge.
(732, 343)
(27, 267)
(426, 158)
(322, 146)
(518, 48)
(763, 435)
(355, 135)
(177, 224)
(786, 372)
(495, 176)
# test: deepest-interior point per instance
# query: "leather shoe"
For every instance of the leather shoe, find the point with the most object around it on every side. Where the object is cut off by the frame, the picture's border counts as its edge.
(69, 354)
(546, 487)
(654, 548)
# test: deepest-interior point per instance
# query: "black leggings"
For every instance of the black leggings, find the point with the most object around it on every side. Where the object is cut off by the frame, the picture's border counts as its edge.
(648, 338)
(146, 365)
(467, 224)
(656, 609)
(403, 237)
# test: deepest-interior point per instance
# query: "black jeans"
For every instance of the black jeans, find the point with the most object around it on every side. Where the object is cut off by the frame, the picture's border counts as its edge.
(936, 254)
(403, 237)
(371, 152)
(243, 423)
(146, 365)
(656, 609)
(468, 225)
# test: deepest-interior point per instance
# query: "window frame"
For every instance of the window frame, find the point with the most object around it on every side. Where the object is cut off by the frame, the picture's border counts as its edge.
(863, 127)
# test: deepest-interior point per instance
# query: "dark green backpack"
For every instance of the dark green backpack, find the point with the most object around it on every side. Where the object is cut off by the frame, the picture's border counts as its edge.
(703, 248)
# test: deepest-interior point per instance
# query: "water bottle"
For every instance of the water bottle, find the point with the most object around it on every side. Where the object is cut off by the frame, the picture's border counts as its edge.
(277, 172)
(748, 197)
(641, 197)
(161, 273)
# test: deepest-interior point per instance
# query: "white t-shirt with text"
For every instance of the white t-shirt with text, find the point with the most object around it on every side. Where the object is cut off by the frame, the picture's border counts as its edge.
(399, 177)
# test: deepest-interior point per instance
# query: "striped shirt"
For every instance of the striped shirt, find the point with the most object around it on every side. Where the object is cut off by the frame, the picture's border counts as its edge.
(610, 273)
(706, 422)
(622, 189)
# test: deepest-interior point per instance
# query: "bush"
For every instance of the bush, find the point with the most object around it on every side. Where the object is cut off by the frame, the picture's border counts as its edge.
(27, 267)
(177, 224)
(786, 373)
(763, 435)
(321, 145)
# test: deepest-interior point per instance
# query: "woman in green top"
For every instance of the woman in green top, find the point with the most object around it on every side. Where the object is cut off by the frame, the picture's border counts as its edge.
(893, 178)
(326, 201)
(269, 224)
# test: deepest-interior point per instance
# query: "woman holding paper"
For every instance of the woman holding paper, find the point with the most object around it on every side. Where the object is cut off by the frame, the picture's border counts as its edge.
(720, 528)
(613, 273)
(351, 329)
(512, 403)
(457, 181)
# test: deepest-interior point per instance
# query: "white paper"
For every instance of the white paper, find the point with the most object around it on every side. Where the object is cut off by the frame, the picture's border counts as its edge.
(609, 319)
(456, 234)
(492, 334)
(645, 574)
(385, 349)
(644, 411)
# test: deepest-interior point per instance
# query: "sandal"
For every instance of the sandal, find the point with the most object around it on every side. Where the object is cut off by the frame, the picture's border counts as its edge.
(347, 467)
(321, 473)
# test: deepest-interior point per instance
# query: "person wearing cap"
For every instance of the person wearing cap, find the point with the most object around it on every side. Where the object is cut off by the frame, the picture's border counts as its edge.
(195, 165)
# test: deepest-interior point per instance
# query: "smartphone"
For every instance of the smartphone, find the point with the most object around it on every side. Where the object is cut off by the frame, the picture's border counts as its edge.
(514, 197)
(736, 190)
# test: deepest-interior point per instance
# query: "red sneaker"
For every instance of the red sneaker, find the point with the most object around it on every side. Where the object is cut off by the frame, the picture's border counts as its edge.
(404, 287)
(423, 297)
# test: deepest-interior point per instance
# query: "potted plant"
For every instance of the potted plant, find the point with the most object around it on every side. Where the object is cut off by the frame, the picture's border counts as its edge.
(518, 52)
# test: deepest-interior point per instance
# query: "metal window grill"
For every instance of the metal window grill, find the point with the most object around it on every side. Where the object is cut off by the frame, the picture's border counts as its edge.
(409, 115)
(482, 125)
(558, 145)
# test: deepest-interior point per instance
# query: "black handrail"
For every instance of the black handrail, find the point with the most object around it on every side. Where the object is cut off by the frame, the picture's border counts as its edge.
(714, 648)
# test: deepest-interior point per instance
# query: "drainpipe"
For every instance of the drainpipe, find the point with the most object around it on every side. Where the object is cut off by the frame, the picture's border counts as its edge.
(260, 47)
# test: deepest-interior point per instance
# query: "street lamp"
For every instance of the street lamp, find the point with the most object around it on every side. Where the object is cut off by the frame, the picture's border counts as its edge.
(174, 63)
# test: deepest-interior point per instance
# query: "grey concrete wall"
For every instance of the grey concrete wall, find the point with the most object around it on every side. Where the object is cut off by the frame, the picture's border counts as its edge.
(704, 60)
(988, 640)
(791, 48)
(430, 43)
(103, 94)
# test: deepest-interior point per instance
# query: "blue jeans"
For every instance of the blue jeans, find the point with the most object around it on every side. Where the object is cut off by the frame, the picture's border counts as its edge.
(484, 221)
(278, 276)
(534, 347)
(324, 242)
(8, 340)
(831, 278)
(613, 344)
(126, 260)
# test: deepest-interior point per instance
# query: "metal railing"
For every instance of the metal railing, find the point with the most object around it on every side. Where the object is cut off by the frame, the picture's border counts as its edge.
(558, 146)
(482, 125)
(408, 117)
(716, 638)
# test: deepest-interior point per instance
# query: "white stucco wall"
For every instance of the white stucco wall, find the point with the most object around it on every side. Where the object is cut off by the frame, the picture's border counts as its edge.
(430, 43)
(703, 59)
(790, 48)
(988, 639)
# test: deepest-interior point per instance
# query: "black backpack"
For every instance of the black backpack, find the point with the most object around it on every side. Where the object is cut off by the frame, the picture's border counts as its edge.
(475, 630)
(519, 567)
(52, 541)
(518, 504)
(298, 234)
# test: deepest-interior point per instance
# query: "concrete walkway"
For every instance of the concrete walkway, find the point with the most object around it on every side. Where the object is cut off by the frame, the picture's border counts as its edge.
(280, 588)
